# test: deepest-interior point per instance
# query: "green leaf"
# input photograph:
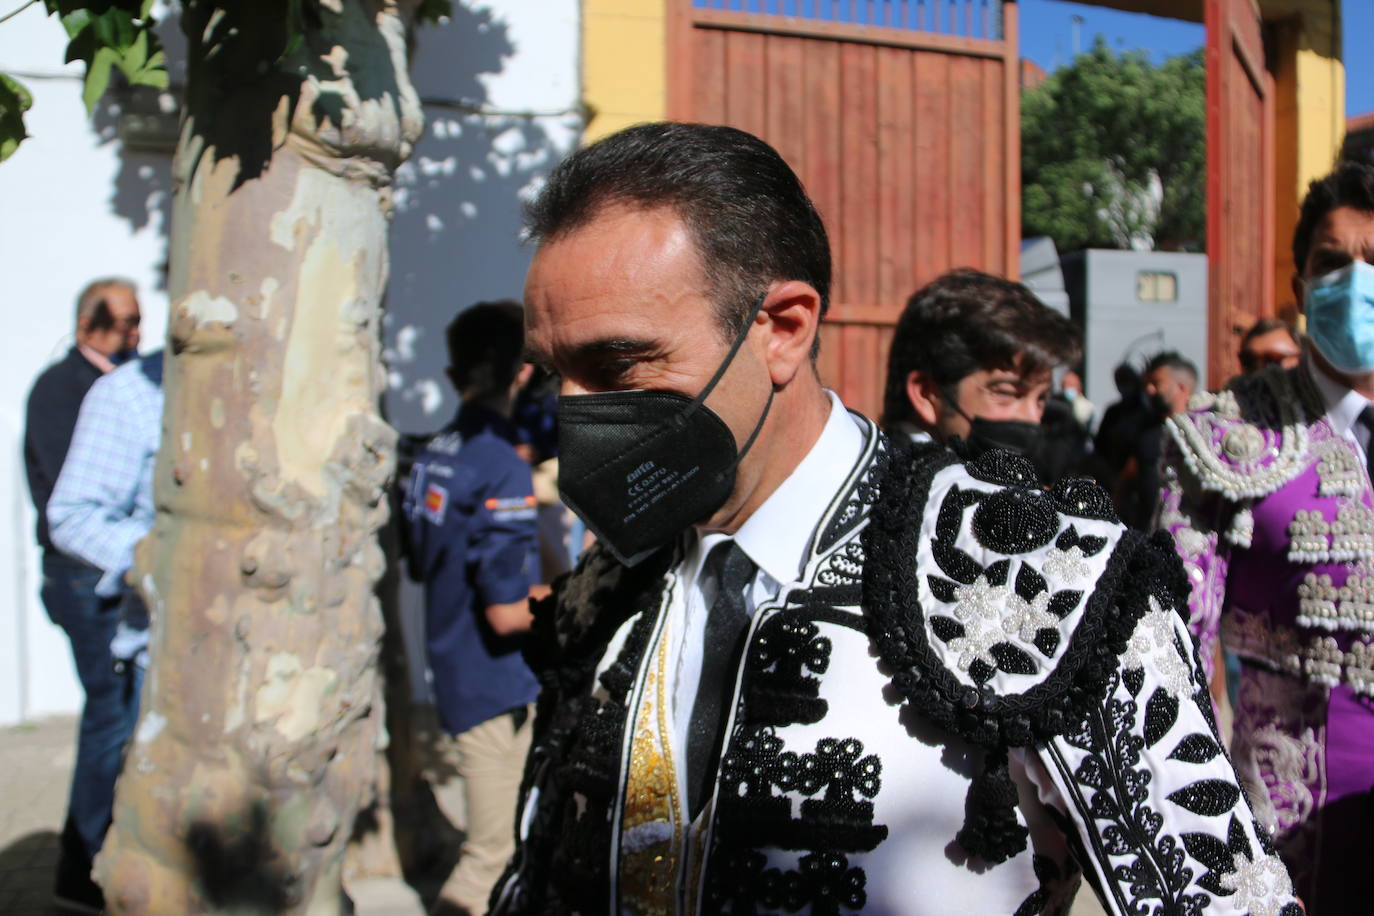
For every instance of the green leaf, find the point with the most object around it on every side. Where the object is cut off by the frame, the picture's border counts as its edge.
(14, 101)
(155, 77)
(135, 56)
(154, 72)
(98, 77)
(13, 96)
(142, 68)
(76, 22)
(115, 29)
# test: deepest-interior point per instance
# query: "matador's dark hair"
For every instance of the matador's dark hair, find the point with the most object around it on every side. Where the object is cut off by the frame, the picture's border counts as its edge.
(747, 211)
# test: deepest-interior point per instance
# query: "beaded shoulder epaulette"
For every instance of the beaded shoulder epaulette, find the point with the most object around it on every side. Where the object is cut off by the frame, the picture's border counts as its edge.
(1003, 608)
(1251, 438)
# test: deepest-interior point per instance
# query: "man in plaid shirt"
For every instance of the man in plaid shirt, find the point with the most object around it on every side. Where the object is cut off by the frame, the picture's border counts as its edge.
(101, 506)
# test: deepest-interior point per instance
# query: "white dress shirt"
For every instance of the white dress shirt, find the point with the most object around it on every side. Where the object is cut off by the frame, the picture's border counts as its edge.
(1343, 405)
(775, 537)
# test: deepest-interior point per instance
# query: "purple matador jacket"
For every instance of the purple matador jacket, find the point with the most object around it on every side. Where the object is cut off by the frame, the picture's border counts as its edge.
(1273, 515)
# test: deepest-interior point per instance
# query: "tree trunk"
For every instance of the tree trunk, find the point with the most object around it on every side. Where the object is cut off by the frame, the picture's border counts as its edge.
(261, 712)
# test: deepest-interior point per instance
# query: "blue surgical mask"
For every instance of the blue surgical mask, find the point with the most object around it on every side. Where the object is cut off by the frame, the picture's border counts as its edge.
(1340, 317)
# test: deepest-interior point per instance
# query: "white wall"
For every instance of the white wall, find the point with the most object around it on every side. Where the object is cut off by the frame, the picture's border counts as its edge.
(502, 82)
(71, 209)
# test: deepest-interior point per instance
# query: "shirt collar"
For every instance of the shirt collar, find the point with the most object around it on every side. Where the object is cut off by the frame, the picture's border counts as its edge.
(96, 358)
(1343, 405)
(777, 534)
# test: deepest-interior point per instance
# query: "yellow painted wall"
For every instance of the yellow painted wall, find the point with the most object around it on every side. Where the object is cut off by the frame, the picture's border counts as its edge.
(1309, 84)
(624, 63)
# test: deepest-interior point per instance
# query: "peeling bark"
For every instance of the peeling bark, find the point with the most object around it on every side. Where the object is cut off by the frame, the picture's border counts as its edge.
(262, 712)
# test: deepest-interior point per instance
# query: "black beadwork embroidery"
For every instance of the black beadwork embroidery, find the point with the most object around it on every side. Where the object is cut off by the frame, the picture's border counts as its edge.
(1117, 786)
(1014, 521)
(1195, 748)
(1012, 660)
(823, 882)
(1004, 469)
(843, 567)
(760, 777)
(1161, 712)
(1084, 498)
(1090, 544)
(781, 689)
(1220, 857)
(1063, 602)
(896, 623)
(1029, 583)
(946, 629)
(750, 813)
(953, 561)
(855, 503)
(1208, 797)
(1111, 768)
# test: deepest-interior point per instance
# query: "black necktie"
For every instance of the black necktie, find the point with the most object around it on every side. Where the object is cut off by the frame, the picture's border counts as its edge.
(726, 626)
(1364, 432)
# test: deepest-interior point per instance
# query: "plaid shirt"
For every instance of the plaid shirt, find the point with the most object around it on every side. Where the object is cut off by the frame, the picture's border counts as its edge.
(102, 504)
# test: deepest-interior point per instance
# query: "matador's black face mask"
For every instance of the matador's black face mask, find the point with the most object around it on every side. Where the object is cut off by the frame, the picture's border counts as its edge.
(639, 467)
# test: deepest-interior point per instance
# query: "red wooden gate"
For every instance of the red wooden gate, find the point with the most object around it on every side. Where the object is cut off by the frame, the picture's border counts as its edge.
(902, 118)
(1240, 185)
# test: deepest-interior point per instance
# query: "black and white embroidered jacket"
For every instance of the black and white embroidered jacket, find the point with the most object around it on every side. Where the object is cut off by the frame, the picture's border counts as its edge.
(976, 692)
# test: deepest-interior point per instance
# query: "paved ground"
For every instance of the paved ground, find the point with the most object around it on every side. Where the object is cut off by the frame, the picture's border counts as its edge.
(35, 769)
(35, 766)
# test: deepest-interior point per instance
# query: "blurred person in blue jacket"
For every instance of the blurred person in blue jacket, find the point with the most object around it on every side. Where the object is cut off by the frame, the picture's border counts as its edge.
(471, 539)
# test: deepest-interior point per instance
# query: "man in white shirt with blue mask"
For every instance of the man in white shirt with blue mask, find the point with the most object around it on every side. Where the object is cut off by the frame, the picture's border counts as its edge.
(808, 668)
(1268, 497)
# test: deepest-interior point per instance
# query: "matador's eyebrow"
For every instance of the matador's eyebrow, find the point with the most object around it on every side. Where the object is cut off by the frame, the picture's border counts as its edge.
(591, 350)
(614, 346)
